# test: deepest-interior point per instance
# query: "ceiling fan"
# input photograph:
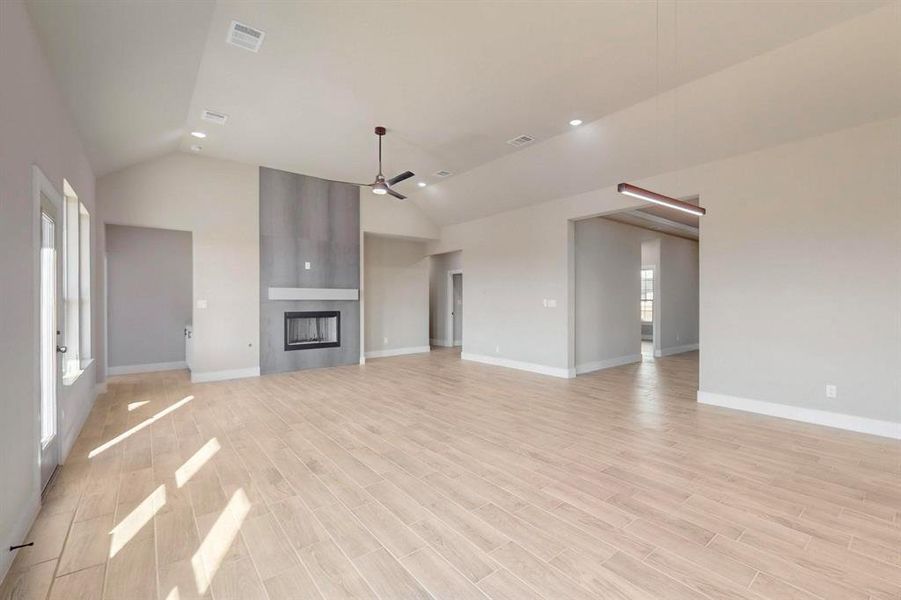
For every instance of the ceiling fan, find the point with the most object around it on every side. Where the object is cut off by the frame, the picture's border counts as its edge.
(382, 186)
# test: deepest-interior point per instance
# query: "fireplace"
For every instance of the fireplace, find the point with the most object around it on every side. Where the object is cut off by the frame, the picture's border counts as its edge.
(308, 330)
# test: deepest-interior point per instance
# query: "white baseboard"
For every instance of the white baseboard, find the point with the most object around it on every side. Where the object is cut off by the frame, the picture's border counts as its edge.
(18, 531)
(608, 363)
(398, 351)
(522, 366)
(889, 429)
(223, 375)
(676, 350)
(148, 368)
(437, 342)
(100, 388)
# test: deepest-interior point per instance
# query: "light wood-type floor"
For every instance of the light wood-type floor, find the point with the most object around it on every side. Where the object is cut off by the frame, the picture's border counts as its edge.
(424, 476)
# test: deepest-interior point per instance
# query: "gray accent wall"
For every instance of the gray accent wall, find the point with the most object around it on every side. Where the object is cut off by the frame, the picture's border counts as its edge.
(149, 294)
(306, 219)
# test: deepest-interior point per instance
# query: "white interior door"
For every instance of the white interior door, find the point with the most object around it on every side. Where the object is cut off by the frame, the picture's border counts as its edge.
(49, 334)
(458, 309)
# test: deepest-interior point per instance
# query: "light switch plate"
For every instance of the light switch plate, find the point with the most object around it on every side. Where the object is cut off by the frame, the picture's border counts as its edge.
(306, 265)
(201, 304)
(831, 390)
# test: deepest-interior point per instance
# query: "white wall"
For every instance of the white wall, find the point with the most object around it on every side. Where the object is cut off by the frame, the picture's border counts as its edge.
(149, 299)
(36, 130)
(389, 216)
(607, 268)
(801, 273)
(800, 269)
(218, 201)
(396, 295)
(439, 265)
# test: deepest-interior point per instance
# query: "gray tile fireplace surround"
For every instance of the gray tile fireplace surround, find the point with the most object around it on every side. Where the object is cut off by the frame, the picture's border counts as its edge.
(305, 219)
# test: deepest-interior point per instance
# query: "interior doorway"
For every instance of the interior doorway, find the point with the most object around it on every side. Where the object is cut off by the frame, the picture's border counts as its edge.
(50, 286)
(457, 312)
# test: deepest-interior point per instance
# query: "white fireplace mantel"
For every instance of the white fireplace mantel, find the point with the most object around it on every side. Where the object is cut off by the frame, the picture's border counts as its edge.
(293, 293)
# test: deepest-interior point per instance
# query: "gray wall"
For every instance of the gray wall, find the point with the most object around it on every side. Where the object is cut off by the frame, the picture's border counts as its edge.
(396, 275)
(439, 265)
(608, 257)
(677, 278)
(306, 219)
(607, 263)
(149, 275)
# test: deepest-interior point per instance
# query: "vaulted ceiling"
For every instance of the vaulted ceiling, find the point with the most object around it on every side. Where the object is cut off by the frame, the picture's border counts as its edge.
(453, 81)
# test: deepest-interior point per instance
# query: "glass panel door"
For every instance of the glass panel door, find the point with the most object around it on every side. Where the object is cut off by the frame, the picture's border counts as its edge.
(49, 332)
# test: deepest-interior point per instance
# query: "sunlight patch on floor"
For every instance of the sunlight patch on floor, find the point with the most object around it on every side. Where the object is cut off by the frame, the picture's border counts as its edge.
(136, 520)
(218, 541)
(139, 427)
(136, 405)
(184, 473)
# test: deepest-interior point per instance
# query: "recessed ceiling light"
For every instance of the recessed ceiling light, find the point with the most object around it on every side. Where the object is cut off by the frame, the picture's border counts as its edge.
(198, 134)
(575, 122)
(421, 184)
(196, 148)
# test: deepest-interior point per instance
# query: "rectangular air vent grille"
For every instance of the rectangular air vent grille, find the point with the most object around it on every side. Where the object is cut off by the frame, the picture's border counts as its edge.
(214, 117)
(521, 140)
(443, 173)
(244, 36)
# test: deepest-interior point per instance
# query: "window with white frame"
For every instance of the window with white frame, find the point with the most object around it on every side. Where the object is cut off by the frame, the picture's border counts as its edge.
(647, 295)
(76, 325)
(84, 285)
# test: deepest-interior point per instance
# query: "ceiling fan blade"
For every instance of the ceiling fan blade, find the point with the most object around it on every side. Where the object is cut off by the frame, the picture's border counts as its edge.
(396, 195)
(398, 178)
(352, 183)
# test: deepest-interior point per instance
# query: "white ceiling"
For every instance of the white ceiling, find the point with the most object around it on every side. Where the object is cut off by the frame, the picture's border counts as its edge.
(452, 81)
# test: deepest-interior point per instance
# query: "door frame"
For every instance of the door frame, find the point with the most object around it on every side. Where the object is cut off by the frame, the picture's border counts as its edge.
(41, 185)
(449, 319)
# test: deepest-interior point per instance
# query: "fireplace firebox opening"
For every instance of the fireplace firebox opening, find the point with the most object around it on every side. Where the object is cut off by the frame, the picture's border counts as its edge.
(308, 330)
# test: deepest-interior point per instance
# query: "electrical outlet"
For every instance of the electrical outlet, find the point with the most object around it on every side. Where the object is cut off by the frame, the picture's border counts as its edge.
(201, 304)
(831, 390)
(552, 303)
(306, 265)
(385, 341)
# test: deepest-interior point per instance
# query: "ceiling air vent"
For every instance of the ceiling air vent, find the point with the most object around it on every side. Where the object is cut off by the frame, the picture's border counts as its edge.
(522, 140)
(244, 36)
(214, 117)
(443, 173)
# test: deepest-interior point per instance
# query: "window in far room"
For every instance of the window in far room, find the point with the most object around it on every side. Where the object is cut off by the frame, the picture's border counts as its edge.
(647, 295)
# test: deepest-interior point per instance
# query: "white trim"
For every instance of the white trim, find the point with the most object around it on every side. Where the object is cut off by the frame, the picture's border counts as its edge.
(520, 365)
(286, 293)
(148, 368)
(449, 318)
(223, 375)
(19, 531)
(437, 342)
(676, 350)
(607, 363)
(397, 351)
(889, 429)
(100, 388)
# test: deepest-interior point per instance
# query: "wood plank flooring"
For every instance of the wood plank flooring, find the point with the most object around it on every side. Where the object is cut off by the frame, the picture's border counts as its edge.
(428, 477)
